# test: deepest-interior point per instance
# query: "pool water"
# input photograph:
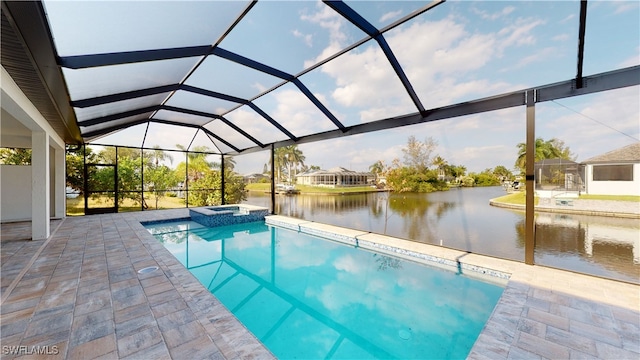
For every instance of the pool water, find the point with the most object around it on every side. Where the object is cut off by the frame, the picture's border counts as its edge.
(311, 298)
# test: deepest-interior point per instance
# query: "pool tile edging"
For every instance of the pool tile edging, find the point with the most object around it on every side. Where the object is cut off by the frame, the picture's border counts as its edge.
(351, 240)
(292, 225)
(207, 216)
(455, 265)
(162, 221)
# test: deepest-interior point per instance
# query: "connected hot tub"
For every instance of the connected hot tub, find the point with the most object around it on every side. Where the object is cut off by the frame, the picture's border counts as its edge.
(221, 215)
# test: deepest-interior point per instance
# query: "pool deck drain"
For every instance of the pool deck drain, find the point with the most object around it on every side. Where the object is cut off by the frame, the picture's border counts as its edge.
(83, 298)
(147, 270)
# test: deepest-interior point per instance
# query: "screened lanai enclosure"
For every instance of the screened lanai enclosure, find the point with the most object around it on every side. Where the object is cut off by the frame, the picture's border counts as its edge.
(133, 88)
(559, 175)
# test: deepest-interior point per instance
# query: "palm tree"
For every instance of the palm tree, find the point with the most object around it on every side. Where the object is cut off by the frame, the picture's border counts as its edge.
(543, 150)
(502, 173)
(229, 163)
(294, 157)
(377, 168)
(198, 164)
(456, 171)
(159, 155)
(279, 159)
(441, 165)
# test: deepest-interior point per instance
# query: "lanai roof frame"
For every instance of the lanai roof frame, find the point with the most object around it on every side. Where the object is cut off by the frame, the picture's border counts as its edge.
(17, 12)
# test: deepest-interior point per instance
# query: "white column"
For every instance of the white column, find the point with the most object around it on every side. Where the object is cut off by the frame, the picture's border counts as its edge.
(60, 184)
(40, 185)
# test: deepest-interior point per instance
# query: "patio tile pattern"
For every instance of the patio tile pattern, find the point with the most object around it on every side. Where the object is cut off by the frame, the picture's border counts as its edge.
(551, 314)
(78, 295)
(83, 298)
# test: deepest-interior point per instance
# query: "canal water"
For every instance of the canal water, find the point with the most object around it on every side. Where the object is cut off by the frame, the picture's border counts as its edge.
(463, 219)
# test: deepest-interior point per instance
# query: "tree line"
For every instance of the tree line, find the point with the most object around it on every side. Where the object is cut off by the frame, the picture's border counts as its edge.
(145, 175)
(289, 161)
(421, 171)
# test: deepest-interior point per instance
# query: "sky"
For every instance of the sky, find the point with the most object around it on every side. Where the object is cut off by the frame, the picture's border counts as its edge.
(456, 52)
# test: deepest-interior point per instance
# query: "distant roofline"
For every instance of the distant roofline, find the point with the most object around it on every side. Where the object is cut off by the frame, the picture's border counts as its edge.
(626, 154)
(335, 171)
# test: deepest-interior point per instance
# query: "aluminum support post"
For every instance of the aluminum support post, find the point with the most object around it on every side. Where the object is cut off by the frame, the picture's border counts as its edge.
(530, 236)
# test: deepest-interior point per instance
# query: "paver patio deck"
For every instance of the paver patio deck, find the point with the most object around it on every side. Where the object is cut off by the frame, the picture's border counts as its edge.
(79, 295)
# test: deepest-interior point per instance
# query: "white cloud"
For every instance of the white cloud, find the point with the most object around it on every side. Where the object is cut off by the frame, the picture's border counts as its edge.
(361, 159)
(243, 241)
(254, 124)
(330, 20)
(299, 115)
(349, 264)
(436, 64)
(390, 15)
(227, 133)
(385, 111)
(604, 122)
(493, 16)
(167, 136)
(449, 49)
(519, 33)
(445, 67)
(258, 86)
(469, 123)
(624, 6)
(568, 18)
(478, 158)
(363, 78)
(448, 91)
(300, 252)
(356, 152)
(307, 38)
(540, 55)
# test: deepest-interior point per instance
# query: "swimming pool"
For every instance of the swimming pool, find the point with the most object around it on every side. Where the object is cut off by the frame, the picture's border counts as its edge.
(307, 297)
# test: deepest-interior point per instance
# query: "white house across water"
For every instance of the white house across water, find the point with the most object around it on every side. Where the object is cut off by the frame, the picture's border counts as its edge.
(616, 172)
(335, 177)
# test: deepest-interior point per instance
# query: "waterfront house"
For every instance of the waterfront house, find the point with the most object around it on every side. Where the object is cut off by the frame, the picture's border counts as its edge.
(616, 172)
(335, 177)
(255, 178)
(559, 177)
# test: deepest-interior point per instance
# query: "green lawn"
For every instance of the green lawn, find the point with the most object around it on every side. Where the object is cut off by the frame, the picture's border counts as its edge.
(313, 189)
(258, 187)
(519, 198)
(76, 206)
(611, 197)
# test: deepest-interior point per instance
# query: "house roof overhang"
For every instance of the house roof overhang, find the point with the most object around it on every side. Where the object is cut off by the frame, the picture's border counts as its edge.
(28, 56)
(629, 154)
